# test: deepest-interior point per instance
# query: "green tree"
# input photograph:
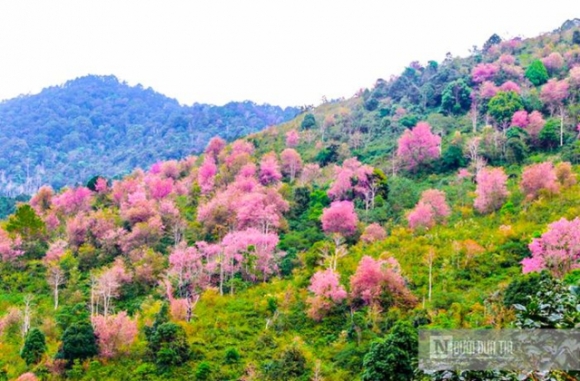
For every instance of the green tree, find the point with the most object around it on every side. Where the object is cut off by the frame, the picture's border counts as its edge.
(456, 97)
(78, 342)
(493, 40)
(576, 37)
(503, 105)
(537, 73)
(394, 358)
(550, 134)
(166, 341)
(308, 122)
(34, 346)
(26, 223)
(452, 158)
(516, 147)
(291, 365)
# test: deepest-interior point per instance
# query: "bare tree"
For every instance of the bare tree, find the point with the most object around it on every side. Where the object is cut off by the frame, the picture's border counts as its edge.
(56, 278)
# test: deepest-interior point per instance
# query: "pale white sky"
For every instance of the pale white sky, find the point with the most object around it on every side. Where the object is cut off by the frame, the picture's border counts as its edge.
(279, 52)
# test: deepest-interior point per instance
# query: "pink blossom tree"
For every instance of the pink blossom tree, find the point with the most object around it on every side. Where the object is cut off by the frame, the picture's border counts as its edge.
(310, 173)
(107, 286)
(73, 200)
(291, 163)
(520, 119)
(539, 177)
(554, 94)
(327, 293)
(339, 220)
(510, 86)
(292, 138)
(557, 250)
(10, 248)
(380, 283)
(418, 146)
(553, 62)
(373, 232)
(491, 191)
(186, 264)
(42, 200)
(215, 146)
(536, 123)
(206, 174)
(488, 90)
(421, 217)
(269, 169)
(115, 334)
(484, 72)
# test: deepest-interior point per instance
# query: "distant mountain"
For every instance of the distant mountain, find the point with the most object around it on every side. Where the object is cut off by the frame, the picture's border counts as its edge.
(99, 125)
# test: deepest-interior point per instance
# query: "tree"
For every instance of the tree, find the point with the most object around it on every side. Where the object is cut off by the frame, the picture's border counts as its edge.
(115, 333)
(339, 219)
(34, 347)
(292, 138)
(491, 41)
(554, 94)
(206, 174)
(576, 37)
(456, 97)
(26, 224)
(56, 278)
(107, 285)
(10, 248)
(308, 122)
(557, 250)
(269, 169)
(373, 232)
(503, 106)
(538, 177)
(484, 72)
(418, 146)
(564, 173)
(395, 357)
(432, 208)
(289, 365)
(215, 146)
(78, 342)
(380, 283)
(537, 73)
(491, 189)
(166, 342)
(328, 292)
(553, 62)
(291, 162)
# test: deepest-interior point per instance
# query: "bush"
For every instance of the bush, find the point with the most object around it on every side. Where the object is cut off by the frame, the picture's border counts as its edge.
(34, 347)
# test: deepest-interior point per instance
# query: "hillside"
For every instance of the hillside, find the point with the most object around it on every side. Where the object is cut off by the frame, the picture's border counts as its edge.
(98, 125)
(445, 197)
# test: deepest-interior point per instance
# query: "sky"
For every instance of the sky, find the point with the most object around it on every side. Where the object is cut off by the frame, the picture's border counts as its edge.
(287, 53)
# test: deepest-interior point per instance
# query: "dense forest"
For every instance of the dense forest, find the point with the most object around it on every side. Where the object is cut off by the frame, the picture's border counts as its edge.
(444, 197)
(97, 125)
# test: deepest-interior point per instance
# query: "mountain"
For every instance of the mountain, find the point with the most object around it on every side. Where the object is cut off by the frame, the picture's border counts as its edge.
(98, 125)
(446, 197)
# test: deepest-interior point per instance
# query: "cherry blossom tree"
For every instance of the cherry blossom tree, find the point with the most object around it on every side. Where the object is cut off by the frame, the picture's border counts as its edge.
(115, 334)
(488, 90)
(339, 219)
(553, 62)
(215, 147)
(484, 72)
(291, 162)
(73, 200)
(536, 123)
(107, 285)
(418, 146)
(327, 293)
(520, 119)
(557, 250)
(42, 200)
(380, 283)
(421, 217)
(373, 232)
(269, 169)
(187, 265)
(491, 189)
(10, 248)
(310, 173)
(554, 94)
(206, 174)
(292, 138)
(538, 177)
(510, 86)
(432, 208)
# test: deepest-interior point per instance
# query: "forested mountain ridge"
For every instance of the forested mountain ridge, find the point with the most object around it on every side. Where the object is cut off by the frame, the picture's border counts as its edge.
(444, 197)
(98, 125)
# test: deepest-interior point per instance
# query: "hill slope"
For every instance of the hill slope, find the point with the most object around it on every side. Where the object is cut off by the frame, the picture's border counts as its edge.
(98, 125)
(283, 256)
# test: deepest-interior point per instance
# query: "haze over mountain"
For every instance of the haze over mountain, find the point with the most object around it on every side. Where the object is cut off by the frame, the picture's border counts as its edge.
(100, 125)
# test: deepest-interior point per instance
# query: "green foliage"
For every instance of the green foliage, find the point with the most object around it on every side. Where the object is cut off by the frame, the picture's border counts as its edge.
(537, 73)
(327, 155)
(550, 135)
(34, 346)
(452, 159)
(203, 371)
(522, 288)
(166, 342)
(92, 183)
(78, 342)
(308, 122)
(395, 357)
(516, 147)
(491, 41)
(503, 106)
(290, 365)
(71, 314)
(232, 356)
(456, 97)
